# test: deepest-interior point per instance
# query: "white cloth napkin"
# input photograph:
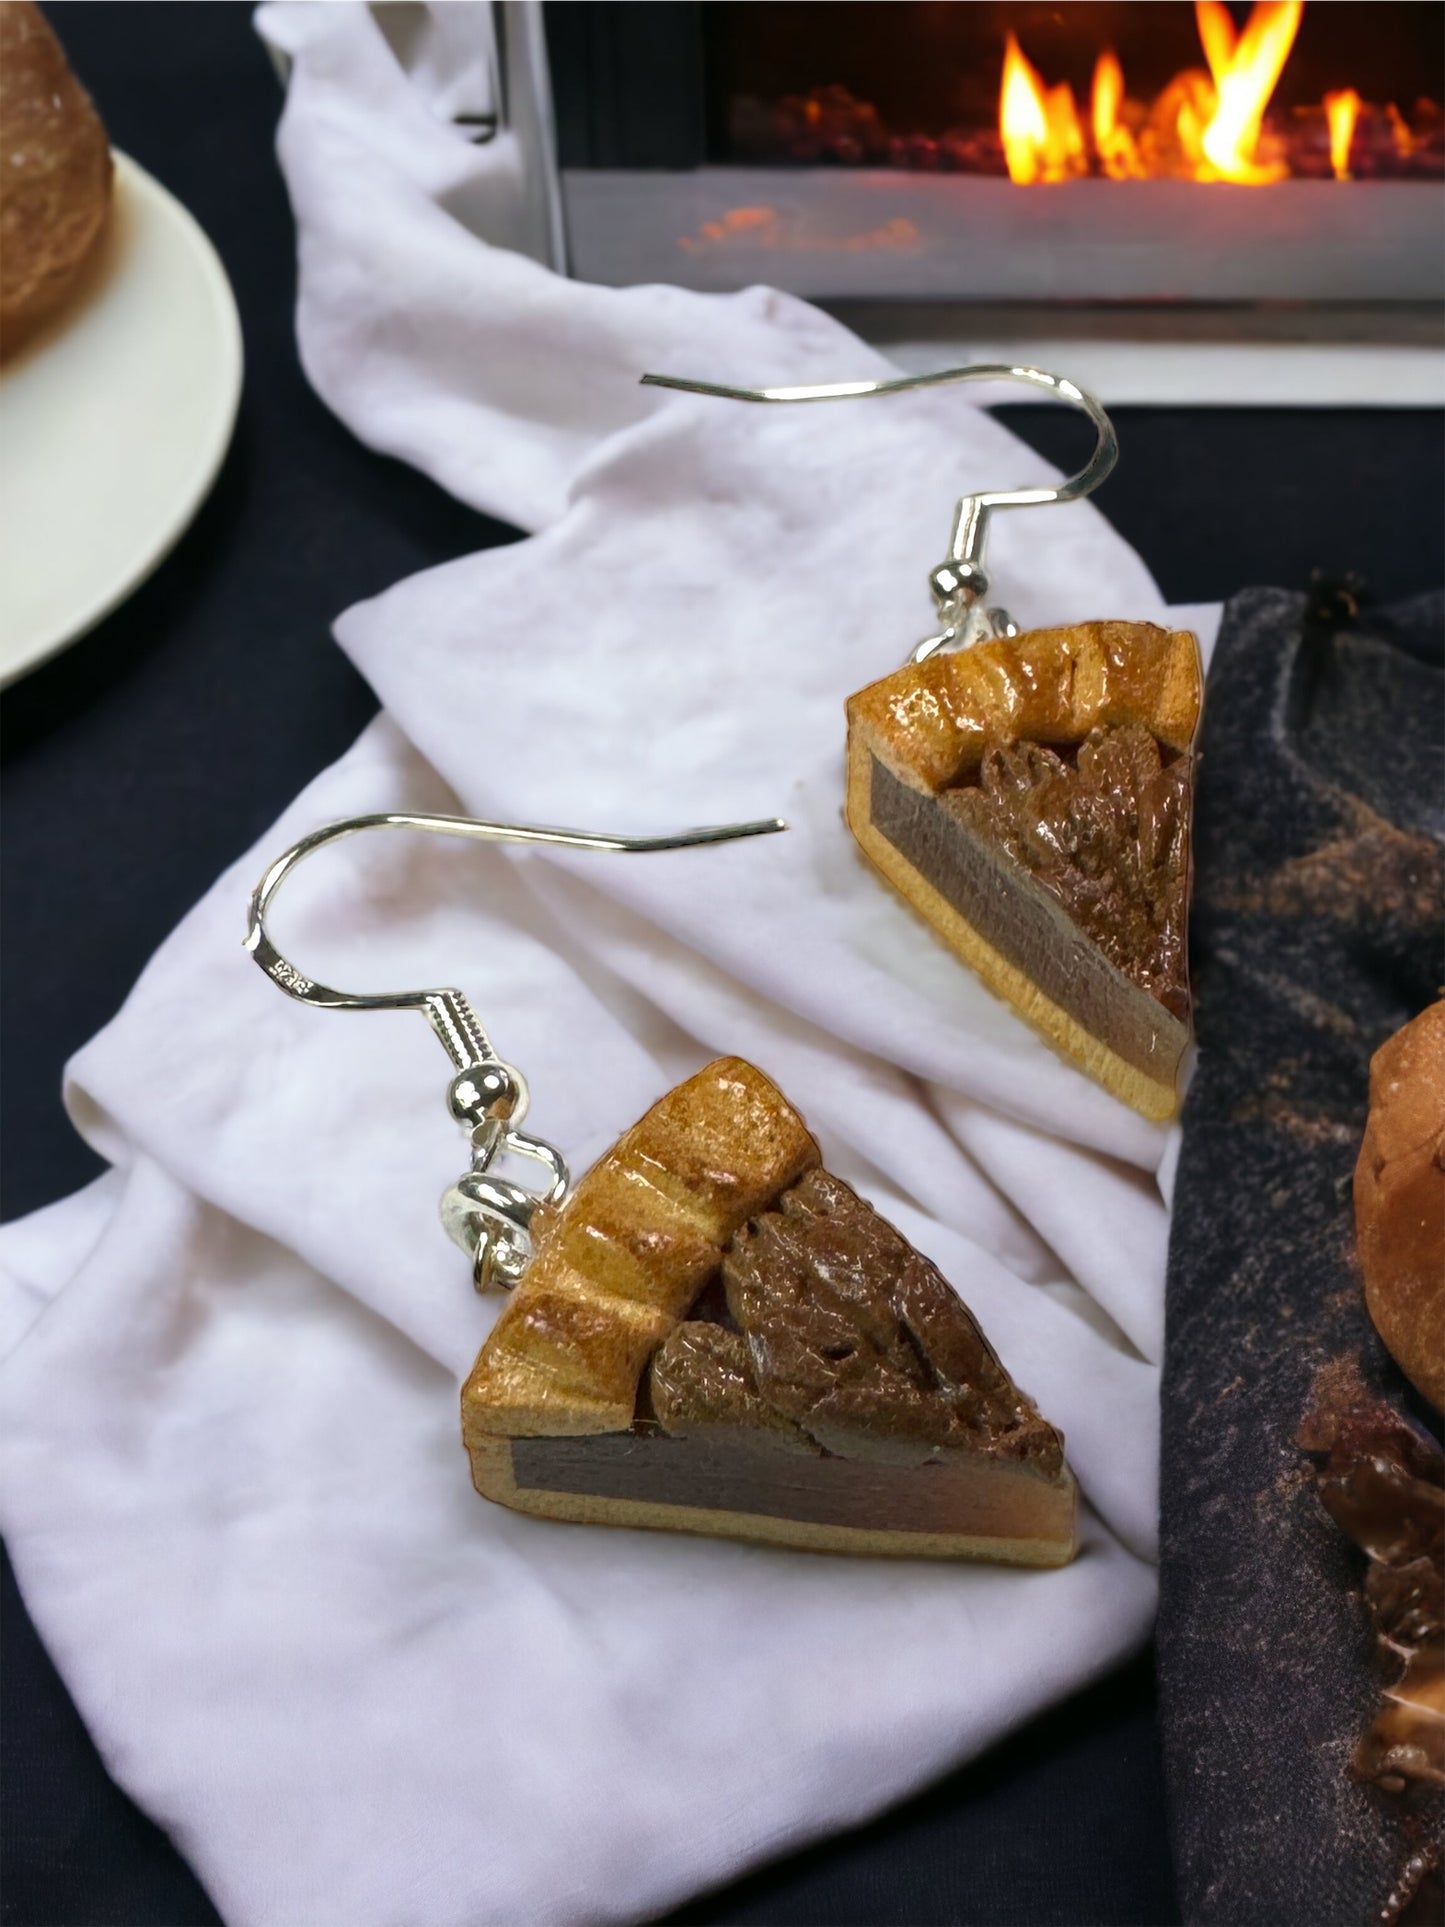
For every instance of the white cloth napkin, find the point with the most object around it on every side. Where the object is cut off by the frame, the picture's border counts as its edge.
(240, 1513)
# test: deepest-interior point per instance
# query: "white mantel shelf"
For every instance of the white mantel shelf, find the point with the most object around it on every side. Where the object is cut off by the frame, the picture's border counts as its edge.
(1330, 357)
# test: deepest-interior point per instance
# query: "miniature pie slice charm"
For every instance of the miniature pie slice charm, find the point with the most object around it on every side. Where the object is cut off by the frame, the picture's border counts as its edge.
(715, 1335)
(1031, 797)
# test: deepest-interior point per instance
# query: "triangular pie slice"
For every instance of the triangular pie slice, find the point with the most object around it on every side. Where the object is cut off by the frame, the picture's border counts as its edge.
(715, 1335)
(1031, 798)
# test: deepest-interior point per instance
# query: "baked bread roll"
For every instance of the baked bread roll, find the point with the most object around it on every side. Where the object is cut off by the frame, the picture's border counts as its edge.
(1400, 1200)
(57, 174)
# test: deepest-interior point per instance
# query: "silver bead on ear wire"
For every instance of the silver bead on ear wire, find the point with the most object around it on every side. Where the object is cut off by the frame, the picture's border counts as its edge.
(960, 582)
(488, 1216)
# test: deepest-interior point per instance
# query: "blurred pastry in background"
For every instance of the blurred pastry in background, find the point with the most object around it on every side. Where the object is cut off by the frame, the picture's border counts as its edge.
(1400, 1200)
(55, 183)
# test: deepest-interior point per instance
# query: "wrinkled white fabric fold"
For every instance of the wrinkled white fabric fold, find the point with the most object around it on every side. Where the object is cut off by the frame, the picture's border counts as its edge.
(240, 1513)
(527, 1679)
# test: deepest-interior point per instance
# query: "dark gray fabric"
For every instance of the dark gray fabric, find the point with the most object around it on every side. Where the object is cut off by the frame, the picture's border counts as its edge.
(1317, 931)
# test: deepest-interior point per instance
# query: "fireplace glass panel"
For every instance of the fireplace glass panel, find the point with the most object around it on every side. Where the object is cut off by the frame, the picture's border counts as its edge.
(1267, 152)
(916, 83)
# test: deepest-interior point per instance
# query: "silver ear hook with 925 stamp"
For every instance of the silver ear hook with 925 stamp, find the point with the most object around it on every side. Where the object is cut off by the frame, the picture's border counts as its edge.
(487, 1215)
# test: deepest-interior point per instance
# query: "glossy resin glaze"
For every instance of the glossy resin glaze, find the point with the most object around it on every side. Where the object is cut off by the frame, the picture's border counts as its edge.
(1031, 798)
(718, 1336)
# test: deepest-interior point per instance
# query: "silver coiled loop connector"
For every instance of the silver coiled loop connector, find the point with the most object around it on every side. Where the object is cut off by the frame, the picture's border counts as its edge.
(488, 1216)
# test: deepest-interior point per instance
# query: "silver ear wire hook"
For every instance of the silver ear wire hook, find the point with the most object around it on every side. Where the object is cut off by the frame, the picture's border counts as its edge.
(960, 582)
(488, 1216)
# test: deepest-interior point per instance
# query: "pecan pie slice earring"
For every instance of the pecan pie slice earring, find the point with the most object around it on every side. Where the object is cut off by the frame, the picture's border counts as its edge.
(1030, 794)
(711, 1333)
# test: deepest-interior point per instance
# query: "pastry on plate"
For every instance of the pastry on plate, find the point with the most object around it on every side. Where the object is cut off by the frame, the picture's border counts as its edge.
(57, 179)
(1032, 799)
(715, 1335)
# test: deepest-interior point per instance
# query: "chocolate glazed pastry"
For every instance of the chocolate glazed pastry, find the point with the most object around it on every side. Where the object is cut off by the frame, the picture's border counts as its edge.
(1384, 1485)
(1317, 927)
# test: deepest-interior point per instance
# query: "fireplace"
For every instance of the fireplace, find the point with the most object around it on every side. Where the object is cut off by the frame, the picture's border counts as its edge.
(989, 152)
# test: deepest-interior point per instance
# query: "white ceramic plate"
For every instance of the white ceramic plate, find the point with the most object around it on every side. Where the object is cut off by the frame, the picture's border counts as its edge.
(113, 422)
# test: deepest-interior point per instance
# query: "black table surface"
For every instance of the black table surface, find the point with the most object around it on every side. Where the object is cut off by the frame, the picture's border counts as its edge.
(139, 763)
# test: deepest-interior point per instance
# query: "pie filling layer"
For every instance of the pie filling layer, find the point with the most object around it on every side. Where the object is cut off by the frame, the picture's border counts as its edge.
(1104, 828)
(966, 1500)
(830, 1375)
(1074, 867)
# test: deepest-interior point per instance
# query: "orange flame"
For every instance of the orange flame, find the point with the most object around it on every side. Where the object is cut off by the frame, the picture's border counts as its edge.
(1042, 137)
(1244, 86)
(1341, 111)
(1203, 126)
(1021, 119)
(1113, 143)
(1404, 139)
(1216, 36)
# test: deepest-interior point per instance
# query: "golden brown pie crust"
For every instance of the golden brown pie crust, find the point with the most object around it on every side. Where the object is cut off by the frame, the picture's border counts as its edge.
(616, 1269)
